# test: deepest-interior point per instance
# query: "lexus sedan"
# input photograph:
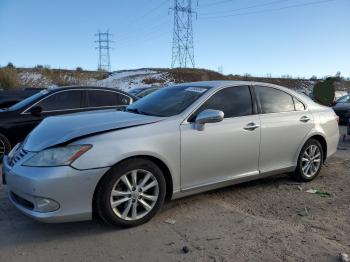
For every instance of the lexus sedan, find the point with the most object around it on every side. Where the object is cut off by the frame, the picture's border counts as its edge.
(178, 141)
(17, 121)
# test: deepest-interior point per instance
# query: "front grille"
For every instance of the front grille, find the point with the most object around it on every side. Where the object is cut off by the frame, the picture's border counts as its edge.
(17, 156)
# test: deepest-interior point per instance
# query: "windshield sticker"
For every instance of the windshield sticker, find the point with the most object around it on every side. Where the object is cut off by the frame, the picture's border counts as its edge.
(196, 89)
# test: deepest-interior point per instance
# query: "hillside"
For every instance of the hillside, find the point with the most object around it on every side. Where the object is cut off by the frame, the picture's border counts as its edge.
(127, 79)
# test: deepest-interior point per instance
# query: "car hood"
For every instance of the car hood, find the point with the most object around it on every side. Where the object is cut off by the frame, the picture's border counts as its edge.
(57, 130)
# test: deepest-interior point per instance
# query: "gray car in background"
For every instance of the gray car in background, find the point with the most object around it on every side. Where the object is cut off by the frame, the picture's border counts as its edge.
(178, 141)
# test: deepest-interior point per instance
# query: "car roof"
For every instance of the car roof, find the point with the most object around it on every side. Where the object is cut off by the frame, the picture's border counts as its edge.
(56, 89)
(227, 83)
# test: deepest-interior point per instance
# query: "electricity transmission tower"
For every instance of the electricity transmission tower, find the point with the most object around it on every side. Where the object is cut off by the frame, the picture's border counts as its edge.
(183, 49)
(221, 69)
(104, 41)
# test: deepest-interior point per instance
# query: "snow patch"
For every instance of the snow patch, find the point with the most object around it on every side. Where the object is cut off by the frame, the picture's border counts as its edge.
(129, 79)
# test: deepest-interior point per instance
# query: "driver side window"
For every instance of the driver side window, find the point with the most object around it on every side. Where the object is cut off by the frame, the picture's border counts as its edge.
(233, 101)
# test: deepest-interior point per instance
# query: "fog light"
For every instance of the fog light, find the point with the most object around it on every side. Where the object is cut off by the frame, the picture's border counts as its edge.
(45, 205)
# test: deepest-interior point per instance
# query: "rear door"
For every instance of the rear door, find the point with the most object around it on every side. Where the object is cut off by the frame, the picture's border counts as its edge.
(285, 122)
(225, 150)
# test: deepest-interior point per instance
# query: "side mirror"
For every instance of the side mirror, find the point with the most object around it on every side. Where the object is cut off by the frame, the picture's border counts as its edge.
(208, 116)
(36, 110)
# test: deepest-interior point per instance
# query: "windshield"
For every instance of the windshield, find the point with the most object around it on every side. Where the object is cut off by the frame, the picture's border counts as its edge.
(28, 100)
(167, 101)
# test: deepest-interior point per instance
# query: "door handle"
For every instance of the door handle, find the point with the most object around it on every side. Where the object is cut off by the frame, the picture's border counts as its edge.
(251, 127)
(304, 119)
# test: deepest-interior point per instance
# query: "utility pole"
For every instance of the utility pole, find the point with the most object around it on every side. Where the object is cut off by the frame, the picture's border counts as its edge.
(104, 41)
(221, 69)
(183, 48)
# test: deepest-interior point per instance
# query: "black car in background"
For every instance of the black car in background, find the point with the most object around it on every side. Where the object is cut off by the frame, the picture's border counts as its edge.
(140, 92)
(342, 109)
(17, 121)
(11, 97)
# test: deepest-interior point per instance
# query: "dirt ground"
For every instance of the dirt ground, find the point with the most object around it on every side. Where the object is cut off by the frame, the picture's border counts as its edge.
(273, 219)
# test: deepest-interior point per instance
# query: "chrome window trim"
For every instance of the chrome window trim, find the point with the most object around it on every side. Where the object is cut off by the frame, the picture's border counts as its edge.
(25, 112)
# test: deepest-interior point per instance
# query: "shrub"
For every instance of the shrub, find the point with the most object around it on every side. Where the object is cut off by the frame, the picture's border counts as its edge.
(10, 65)
(324, 92)
(8, 78)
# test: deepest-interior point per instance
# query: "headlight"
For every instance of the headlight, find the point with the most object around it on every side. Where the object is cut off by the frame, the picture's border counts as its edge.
(57, 156)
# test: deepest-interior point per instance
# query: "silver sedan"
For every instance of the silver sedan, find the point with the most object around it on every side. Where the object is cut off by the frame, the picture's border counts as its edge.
(178, 141)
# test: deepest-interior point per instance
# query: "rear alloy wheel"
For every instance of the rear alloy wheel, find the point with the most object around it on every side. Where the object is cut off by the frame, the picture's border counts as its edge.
(131, 193)
(5, 146)
(310, 161)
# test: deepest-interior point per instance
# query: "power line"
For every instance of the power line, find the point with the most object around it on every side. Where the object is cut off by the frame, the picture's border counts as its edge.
(150, 31)
(269, 10)
(217, 3)
(183, 47)
(247, 7)
(134, 21)
(147, 39)
(104, 40)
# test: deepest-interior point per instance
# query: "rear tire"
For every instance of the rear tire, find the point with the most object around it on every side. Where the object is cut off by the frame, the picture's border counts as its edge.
(310, 161)
(5, 146)
(130, 193)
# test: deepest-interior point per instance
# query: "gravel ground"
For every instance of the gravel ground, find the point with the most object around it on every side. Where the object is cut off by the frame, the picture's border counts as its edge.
(273, 219)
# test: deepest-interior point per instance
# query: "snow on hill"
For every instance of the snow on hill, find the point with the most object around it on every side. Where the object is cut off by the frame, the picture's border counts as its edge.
(128, 79)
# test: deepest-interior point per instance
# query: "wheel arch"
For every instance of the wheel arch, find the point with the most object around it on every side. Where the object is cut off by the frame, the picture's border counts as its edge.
(323, 143)
(321, 139)
(165, 169)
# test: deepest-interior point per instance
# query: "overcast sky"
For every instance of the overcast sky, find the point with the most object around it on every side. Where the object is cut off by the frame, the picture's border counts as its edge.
(259, 37)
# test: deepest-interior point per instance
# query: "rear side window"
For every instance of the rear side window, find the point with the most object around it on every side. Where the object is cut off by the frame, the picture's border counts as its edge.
(70, 99)
(101, 98)
(233, 101)
(299, 106)
(273, 100)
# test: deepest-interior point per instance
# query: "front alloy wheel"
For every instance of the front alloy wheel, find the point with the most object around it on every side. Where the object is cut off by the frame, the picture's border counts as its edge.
(130, 193)
(134, 194)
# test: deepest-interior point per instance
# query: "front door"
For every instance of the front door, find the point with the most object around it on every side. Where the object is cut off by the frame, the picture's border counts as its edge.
(224, 150)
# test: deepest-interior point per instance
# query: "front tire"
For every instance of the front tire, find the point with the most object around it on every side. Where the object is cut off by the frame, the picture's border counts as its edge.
(310, 161)
(131, 193)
